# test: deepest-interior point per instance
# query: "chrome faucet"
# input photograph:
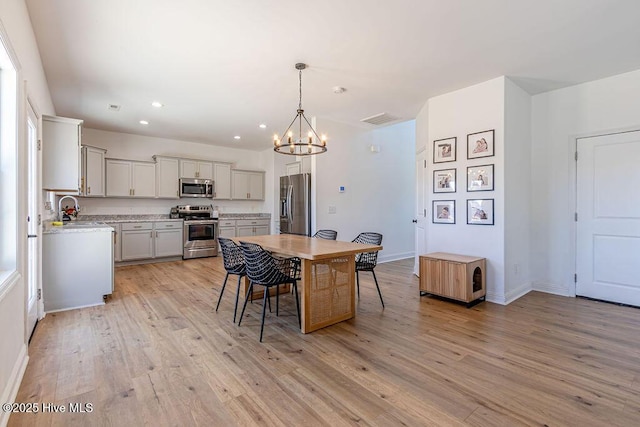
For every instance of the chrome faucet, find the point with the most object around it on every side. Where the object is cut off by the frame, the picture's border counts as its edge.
(77, 206)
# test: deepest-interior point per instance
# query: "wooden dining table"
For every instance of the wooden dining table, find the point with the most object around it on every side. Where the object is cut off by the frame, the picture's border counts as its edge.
(328, 283)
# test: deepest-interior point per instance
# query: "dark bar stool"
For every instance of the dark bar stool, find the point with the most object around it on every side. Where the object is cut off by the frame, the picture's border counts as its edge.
(366, 261)
(233, 260)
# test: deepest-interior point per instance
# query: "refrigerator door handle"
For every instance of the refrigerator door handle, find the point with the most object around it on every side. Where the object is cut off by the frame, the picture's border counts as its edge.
(289, 204)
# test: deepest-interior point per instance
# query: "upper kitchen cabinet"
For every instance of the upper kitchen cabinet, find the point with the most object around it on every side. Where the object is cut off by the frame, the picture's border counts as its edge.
(61, 154)
(92, 182)
(196, 169)
(126, 178)
(247, 185)
(167, 175)
(222, 180)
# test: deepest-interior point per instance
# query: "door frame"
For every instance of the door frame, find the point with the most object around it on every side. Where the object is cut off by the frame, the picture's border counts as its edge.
(573, 194)
(421, 153)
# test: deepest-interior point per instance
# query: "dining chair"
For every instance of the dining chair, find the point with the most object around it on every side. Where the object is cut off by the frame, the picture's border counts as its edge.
(264, 269)
(326, 234)
(366, 261)
(234, 263)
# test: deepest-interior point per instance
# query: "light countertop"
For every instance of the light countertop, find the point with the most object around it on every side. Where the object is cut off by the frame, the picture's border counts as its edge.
(76, 227)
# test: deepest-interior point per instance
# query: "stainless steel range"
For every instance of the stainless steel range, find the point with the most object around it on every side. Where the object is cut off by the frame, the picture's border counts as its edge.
(200, 231)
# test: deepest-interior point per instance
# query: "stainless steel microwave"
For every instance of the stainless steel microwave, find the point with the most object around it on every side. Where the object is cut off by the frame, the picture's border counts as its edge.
(190, 187)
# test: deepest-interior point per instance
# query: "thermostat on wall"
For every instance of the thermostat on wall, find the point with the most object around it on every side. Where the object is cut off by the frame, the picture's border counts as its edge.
(341, 189)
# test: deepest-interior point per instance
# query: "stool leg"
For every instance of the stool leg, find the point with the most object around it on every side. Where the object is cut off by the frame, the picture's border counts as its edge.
(295, 291)
(222, 291)
(378, 287)
(235, 310)
(358, 283)
(245, 302)
(277, 300)
(264, 306)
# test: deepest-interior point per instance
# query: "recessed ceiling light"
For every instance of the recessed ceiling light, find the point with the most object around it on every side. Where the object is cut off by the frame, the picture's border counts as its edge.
(236, 137)
(262, 126)
(157, 104)
(339, 89)
(144, 122)
(114, 107)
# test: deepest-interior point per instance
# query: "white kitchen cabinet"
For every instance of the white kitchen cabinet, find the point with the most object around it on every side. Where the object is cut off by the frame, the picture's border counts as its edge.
(293, 168)
(167, 175)
(247, 185)
(126, 178)
(196, 169)
(137, 240)
(61, 154)
(93, 173)
(222, 180)
(227, 228)
(117, 244)
(168, 239)
(252, 227)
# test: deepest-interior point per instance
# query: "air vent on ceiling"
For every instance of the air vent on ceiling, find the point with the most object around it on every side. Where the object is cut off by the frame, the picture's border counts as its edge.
(114, 107)
(380, 119)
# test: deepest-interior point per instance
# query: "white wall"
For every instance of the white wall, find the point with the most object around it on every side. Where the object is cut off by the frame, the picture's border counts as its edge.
(456, 114)
(137, 147)
(379, 187)
(596, 107)
(13, 350)
(517, 191)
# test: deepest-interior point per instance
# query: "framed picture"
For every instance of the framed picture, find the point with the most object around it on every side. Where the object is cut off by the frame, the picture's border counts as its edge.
(444, 150)
(480, 211)
(480, 178)
(480, 144)
(444, 212)
(444, 181)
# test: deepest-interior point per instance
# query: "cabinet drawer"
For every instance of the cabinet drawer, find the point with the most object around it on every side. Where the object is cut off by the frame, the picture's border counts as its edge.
(227, 223)
(242, 222)
(168, 225)
(137, 226)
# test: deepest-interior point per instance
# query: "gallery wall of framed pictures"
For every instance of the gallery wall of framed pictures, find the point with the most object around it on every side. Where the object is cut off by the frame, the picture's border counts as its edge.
(479, 178)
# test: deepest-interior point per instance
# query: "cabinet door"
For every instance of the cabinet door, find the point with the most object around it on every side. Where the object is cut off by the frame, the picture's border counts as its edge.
(205, 170)
(222, 180)
(239, 185)
(188, 168)
(144, 179)
(293, 168)
(245, 231)
(256, 185)
(453, 280)
(118, 178)
(168, 242)
(93, 171)
(433, 278)
(227, 232)
(61, 154)
(117, 237)
(261, 230)
(167, 171)
(137, 244)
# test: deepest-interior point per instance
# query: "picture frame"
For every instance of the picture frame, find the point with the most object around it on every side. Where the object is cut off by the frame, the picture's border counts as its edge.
(480, 178)
(481, 144)
(444, 181)
(444, 150)
(480, 211)
(443, 212)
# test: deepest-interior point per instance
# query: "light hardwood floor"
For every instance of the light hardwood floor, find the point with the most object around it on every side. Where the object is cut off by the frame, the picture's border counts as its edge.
(158, 354)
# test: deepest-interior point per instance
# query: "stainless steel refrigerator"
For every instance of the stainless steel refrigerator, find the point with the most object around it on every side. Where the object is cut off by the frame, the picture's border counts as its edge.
(295, 204)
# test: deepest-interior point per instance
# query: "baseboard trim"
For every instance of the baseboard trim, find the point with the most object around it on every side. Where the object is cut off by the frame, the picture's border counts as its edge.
(395, 257)
(551, 288)
(11, 391)
(519, 292)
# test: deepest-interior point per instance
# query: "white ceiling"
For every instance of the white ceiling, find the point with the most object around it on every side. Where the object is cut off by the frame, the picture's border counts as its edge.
(222, 67)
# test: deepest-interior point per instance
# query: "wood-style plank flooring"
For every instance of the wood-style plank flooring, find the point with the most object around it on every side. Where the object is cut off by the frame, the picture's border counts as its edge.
(158, 354)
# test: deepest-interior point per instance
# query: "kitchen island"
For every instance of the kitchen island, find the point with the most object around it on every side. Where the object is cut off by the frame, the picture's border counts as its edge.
(77, 265)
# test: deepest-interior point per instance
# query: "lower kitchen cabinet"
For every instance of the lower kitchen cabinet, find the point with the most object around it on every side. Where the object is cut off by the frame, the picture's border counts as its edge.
(227, 228)
(168, 239)
(137, 241)
(147, 240)
(252, 227)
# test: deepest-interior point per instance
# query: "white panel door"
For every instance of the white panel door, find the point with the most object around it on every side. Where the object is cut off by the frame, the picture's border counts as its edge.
(608, 228)
(144, 179)
(421, 210)
(239, 185)
(33, 221)
(167, 171)
(94, 172)
(118, 178)
(222, 180)
(256, 186)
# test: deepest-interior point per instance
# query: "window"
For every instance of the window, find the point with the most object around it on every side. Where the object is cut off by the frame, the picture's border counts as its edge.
(8, 162)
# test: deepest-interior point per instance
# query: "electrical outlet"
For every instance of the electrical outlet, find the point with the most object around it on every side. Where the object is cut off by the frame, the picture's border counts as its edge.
(332, 209)
(516, 269)
(47, 206)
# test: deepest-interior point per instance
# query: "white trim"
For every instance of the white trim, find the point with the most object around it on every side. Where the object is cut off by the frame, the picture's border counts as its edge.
(395, 257)
(551, 288)
(495, 298)
(520, 291)
(75, 308)
(13, 385)
(573, 204)
(8, 283)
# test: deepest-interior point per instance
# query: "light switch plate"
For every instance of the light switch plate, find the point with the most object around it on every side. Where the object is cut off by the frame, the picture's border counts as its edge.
(332, 209)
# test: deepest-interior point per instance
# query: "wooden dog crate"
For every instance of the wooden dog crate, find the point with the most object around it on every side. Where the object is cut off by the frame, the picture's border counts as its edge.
(458, 277)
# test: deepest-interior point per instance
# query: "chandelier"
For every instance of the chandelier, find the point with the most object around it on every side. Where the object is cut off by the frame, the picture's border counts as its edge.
(299, 146)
